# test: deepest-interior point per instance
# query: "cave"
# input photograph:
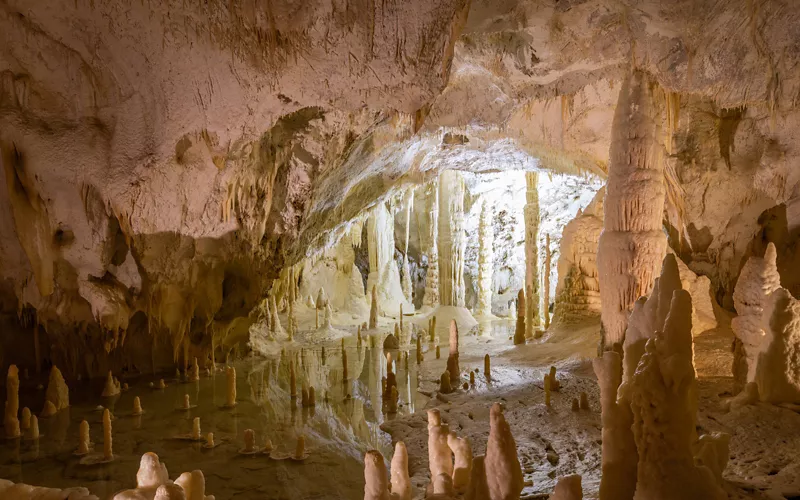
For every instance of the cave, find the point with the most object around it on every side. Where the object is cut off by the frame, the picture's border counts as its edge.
(427, 249)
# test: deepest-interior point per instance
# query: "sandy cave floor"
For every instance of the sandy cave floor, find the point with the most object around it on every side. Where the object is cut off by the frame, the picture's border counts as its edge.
(552, 442)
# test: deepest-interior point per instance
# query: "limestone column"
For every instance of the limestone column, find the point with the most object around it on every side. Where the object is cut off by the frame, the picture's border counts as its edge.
(632, 243)
(428, 235)
(452, 241)
(383, 271)
(531, 253)
(485, 260)
(546, 284)
(406, 271)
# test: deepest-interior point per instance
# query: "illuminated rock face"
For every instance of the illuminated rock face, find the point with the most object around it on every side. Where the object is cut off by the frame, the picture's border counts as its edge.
(451, 239)
(384, 274)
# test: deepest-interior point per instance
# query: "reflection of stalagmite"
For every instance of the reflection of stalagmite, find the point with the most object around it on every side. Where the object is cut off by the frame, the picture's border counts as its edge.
(291, 322)
(33, 430)
(485, 261)
(531, 212)
(108, 453)
(230, 373)
(632, 243)
(487, 370)
(452, 357)
(503, 471)
(519, 331)
(10, 420)
(194, 375)
(83, 438)
(444, 383)
(452, 241)
(137, 407)
(429, 244)
(112, 387)
(373, 309)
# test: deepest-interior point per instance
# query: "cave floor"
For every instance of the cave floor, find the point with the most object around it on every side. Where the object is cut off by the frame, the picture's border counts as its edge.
(552, 442)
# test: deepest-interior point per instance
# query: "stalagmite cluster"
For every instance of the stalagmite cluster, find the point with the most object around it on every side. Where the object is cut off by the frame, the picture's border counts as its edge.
(768, 328)
(152, 481)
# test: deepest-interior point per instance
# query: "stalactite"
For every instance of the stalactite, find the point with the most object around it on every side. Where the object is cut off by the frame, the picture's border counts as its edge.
(531, 253)
(632, 243)
(452, 241)
(485, 260)
(429, 242)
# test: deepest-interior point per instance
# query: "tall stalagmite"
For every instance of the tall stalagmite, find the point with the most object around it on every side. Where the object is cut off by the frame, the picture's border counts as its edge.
(406, 278)
(531, 253)
(383, 272)
(632, 243)
(485, 261)
(428, 236)
(546, 282)
(452, 239)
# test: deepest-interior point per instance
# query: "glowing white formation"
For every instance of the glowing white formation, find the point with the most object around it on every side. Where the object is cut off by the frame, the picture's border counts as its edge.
(452, 241)
(428, 235)
(531, 212)
(485, 261)
(383, 272)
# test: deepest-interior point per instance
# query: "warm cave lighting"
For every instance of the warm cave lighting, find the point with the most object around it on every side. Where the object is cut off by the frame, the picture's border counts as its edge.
(415, 250)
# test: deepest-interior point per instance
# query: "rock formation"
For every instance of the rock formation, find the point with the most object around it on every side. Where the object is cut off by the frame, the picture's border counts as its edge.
(57, 390)
(632, 243)
(452, 356)
(502, 468)
(10, 418)
(383, 272)
(568, 488)
(451, 239)
(519, 331)
(485, 261)
(531, 254)
(429, 235)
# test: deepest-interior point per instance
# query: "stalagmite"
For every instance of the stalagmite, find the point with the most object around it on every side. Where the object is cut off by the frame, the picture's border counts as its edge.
(196, 434)
(568, 488)
(275, 323)
(376, 480)
(478, 483)
(546, 284)
(161, 384)
(195, 373)
(664, 403)
(471, 378)
(383, 271)
(432, 329)
(619, 463)
(444, 383)
(400, 481)
(406, 278)
(186, 402)
(547, 390)
(344, 364)
(25, 421)
(83, 439)
(49, 409)
(326, 324)
(632, 243)
(33, 430)
(137, 406)
(230, 396)
(304, 396)
(108, 454)
(57, 390)
(210, 440)
(531, 212)
(452, 357)
(555, 385)
(373, 309)
(503, 471)
(10, 419)
(439, 454)
(194, 485)
(322, 299)
(438, 352)
(249, 441)
(487, 367)
(485, 261)
(452, 241)
(393, 399)
(519, 331)
(420, 357)
(112, 387)
(462, 468)
(429, 243)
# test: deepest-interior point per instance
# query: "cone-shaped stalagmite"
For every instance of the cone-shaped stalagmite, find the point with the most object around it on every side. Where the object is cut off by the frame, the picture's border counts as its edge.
(503, 471)
(57, 390)
(108, 454)
(373, 310)
(632, 243)
(230, 398)
(401, 482)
